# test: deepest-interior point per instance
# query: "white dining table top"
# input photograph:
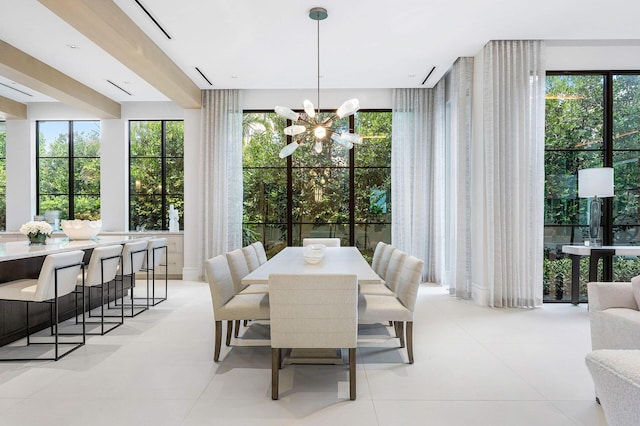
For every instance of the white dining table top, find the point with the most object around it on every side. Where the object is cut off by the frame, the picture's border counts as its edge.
(337, 260)
(583, 250)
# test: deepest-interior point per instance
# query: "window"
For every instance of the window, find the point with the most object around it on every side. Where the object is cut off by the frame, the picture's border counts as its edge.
(337, 193)
(156, 178)
(68, 168)
(592, 120)
(3, 175)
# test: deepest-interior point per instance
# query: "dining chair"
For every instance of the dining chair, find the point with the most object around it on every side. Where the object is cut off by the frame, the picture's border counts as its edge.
(377, 254)
(399, 310)
(229, 306)
(260, 252)
(313, 311)
(385, 257)
(102, 270)
(389, 286)
(57, 278)
(329, 242)
(239, 269)
(251, 257)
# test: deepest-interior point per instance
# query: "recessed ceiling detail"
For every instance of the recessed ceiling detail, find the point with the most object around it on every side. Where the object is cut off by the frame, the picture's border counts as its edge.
(155, 21)
(204, 76)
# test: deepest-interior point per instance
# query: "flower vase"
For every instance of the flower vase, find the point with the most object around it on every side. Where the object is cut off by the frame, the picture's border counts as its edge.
(37, 239)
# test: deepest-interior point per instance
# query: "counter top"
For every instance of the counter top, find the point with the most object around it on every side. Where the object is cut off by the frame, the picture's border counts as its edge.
(21, 249)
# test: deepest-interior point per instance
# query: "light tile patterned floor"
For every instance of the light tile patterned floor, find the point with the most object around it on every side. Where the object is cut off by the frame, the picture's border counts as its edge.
(474, 366)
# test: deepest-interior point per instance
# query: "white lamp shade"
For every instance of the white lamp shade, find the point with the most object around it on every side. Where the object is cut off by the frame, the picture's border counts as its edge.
(597, 182)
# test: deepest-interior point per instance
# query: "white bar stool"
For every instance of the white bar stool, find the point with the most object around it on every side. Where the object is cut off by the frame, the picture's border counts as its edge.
(57, 278)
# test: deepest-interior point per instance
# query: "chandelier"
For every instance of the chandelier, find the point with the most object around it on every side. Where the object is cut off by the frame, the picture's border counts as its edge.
(313, 126)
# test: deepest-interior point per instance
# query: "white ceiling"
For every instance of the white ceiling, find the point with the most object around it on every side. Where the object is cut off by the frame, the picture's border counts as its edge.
(259, 44)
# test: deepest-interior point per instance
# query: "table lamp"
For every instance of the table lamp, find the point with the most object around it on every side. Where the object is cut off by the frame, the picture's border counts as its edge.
(596, 183)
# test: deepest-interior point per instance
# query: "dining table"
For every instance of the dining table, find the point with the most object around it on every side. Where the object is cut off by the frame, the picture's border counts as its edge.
(336, 260)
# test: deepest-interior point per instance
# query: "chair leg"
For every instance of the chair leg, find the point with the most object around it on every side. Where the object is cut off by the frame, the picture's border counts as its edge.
(229, 331)
(237, 329)
(410, 341)
(275, 366)
(400, 332)
(352, 374)
(218, 339)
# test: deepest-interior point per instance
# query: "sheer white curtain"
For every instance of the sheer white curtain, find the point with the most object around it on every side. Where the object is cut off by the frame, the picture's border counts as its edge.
(458, 180)
(221, 172)
(513, 135)
(417, 176)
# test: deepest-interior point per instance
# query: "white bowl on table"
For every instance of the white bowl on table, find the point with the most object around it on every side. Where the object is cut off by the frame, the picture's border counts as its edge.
(81, 229)
(313, 253)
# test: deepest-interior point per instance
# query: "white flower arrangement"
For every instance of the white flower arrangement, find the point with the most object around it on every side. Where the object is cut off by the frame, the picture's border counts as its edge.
(34, 228)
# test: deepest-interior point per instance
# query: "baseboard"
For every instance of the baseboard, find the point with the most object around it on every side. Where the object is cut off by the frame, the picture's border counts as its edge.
(191, 274)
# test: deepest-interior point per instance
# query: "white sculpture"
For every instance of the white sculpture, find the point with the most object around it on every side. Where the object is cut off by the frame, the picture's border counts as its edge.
(174, 215)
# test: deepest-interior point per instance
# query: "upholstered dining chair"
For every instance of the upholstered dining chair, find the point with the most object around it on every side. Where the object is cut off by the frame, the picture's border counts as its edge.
(388, 288)
(57, 278)
(399, 310)
(102, 270)
(329, 242)
(239, 269)
(229, 306)
(313, 311)
(251, 257)
(377, 254)
(385, 258)
(260, 252)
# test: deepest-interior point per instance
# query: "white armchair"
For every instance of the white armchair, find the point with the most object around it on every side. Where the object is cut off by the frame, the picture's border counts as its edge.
(614, 316)
(313, 311)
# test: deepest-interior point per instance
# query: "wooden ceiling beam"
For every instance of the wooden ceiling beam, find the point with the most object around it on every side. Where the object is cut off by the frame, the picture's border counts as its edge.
(12, 110)
(104, 23)
(29, 71)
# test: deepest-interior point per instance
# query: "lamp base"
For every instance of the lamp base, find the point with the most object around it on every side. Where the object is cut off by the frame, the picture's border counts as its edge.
(595, 242)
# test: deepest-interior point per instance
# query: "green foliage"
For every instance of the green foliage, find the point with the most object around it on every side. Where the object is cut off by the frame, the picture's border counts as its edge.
(54, 148)
(320, 182)
(147, 188)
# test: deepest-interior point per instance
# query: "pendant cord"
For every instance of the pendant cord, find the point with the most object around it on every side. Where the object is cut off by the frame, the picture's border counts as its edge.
(318, 66)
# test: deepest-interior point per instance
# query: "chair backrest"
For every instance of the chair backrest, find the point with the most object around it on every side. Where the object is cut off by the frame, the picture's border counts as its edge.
(392, 274)
(250, 257)
(313, 310)
(155, 252)
(409, 282)
(260, 252)
(58, 267)
(220, 281)
(329, 242)
(133, 256)
(103, 271)
(377, 254)
(239, 268)
(384, 260)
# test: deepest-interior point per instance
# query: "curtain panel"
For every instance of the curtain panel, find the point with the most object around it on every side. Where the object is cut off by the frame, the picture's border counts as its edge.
(458, 180)
(513, 137)
(417, 176)
(220, 172)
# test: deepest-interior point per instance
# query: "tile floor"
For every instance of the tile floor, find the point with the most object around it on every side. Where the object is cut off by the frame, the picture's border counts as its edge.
(474, 366)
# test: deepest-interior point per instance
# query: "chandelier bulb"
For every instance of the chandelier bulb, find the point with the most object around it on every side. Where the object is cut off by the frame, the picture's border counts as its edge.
(320, 132)
(308, 108)
(318, 147)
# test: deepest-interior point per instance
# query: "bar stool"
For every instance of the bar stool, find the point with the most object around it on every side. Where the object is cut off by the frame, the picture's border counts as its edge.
(57, 278)
(156, 247)
(102, 270)
(133, 258)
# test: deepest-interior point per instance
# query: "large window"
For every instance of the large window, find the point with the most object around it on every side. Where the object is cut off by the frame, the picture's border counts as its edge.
(337, 193)
(3, 175)
(68, 167)
(156, 173)
(592, 120)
